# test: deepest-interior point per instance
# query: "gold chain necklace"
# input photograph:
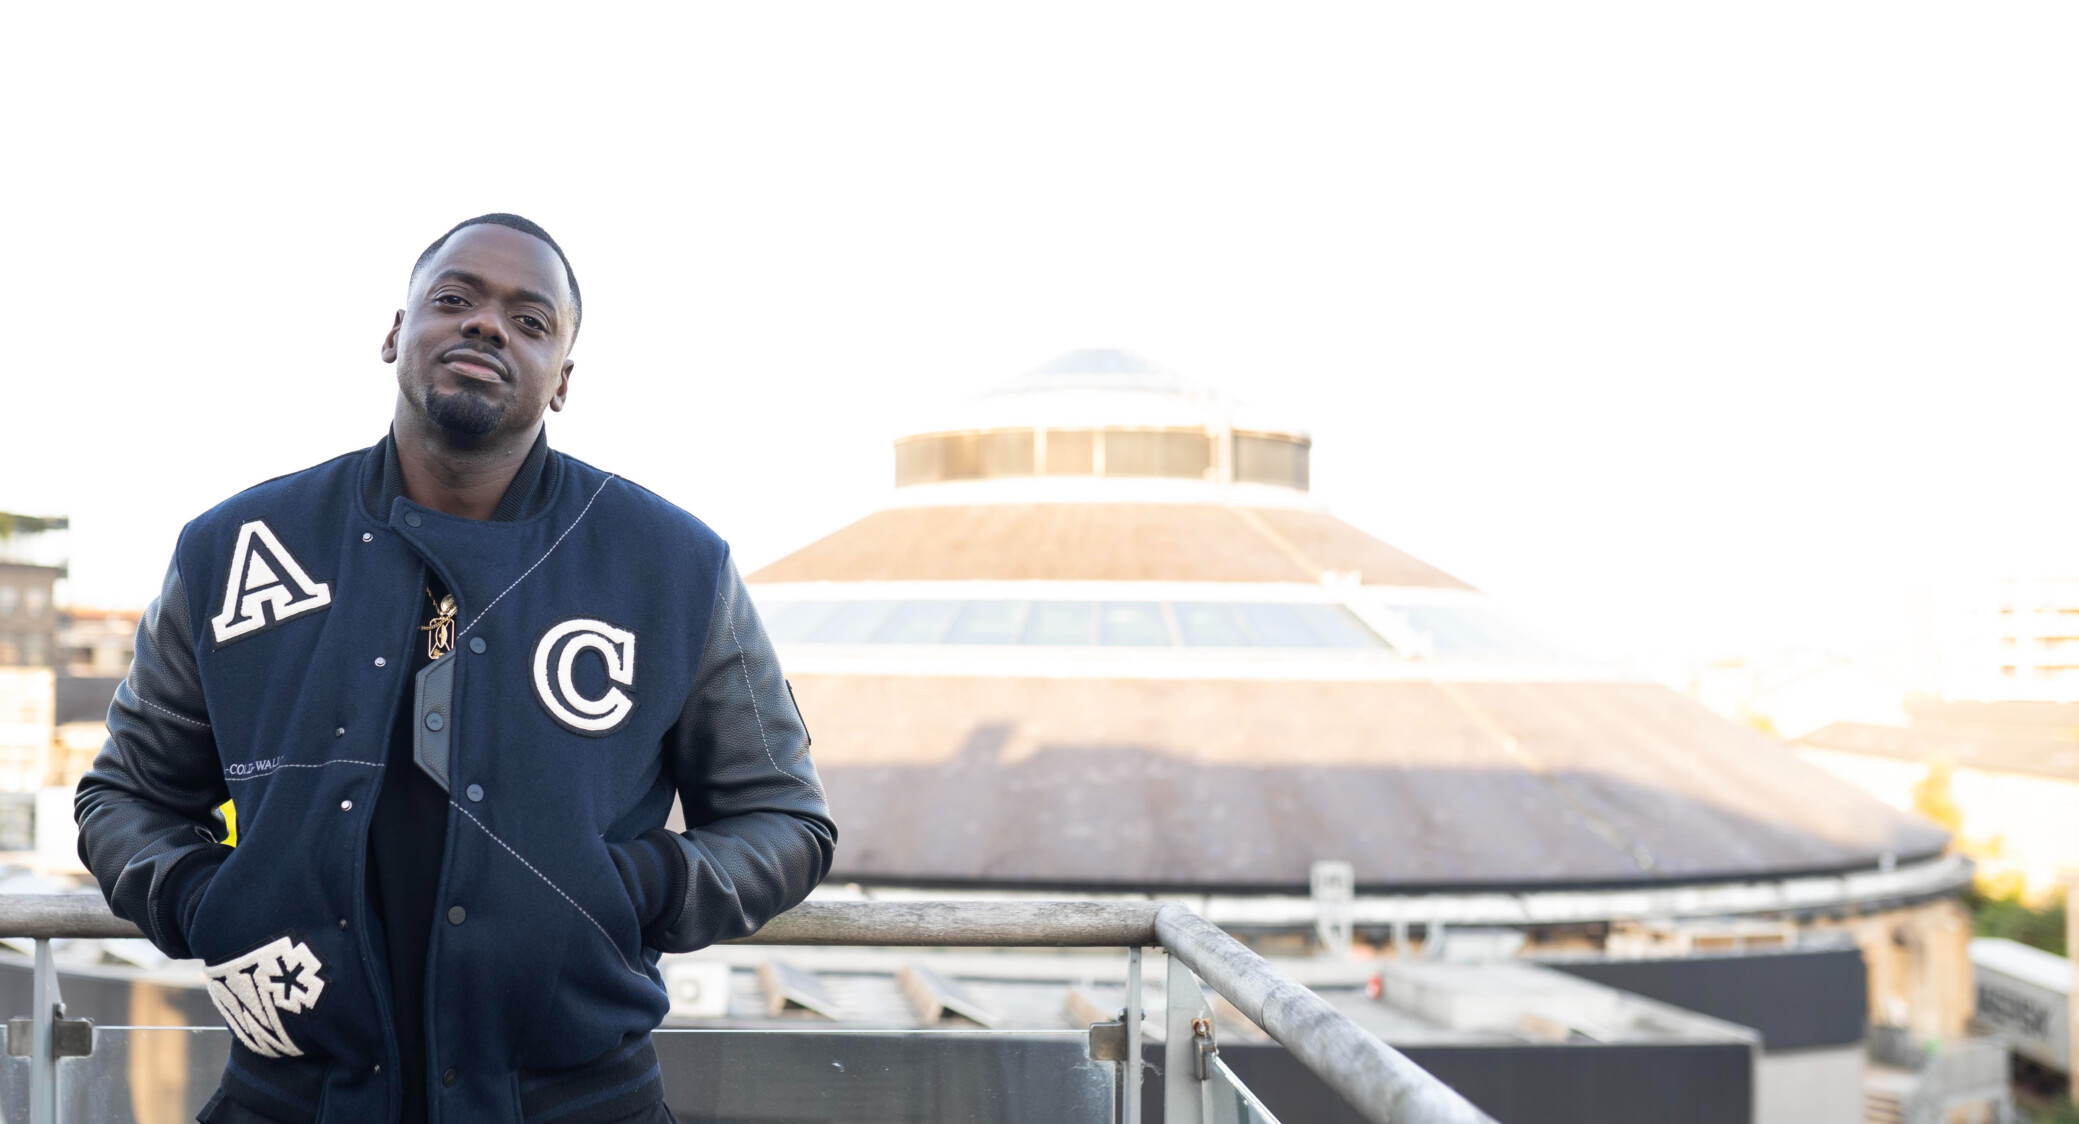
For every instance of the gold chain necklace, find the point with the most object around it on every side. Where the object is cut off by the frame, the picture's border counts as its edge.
(440, 638)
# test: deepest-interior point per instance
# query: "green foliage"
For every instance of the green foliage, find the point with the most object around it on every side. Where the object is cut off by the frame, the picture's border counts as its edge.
(2060, 1113)
(2006, 915)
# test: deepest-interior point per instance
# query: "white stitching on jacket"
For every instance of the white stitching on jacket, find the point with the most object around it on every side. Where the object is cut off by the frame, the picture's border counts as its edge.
(537, 563)
(175, 715)
(610, 942)
(744, 662)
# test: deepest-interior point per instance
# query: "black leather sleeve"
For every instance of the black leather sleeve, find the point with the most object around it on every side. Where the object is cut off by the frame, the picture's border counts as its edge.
(147, 809)
(759, 834)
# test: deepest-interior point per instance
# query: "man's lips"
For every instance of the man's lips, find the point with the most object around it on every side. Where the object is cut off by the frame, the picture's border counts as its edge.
(471, 363)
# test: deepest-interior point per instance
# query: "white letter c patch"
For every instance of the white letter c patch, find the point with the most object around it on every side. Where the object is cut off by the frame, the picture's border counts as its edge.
(555, 660)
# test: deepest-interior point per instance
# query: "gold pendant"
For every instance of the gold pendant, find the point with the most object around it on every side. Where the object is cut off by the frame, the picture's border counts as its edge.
(440, 634)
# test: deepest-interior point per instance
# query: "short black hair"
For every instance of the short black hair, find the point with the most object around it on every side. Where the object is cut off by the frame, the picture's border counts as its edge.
(524, 226)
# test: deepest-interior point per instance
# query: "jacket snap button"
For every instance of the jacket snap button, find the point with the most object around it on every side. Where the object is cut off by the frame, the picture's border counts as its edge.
(379, 661)
(342, 922)
(477, 645)
(367, 537)
(448, 1079)
(456, 915)
(433, 722)
(476, 793)
(339, 733)
(346, 805)
(412, 517)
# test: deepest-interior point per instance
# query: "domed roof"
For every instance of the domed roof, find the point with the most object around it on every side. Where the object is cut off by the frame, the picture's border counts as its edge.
(1057, 677)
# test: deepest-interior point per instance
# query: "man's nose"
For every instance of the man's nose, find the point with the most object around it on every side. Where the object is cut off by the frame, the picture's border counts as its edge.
(484, 324)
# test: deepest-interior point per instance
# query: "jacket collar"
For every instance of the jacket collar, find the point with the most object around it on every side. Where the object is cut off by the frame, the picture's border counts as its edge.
(526, 496)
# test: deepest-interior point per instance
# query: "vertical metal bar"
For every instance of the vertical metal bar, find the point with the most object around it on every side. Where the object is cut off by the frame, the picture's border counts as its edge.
(43, 1064)
(1183, 1002)
(1132, 1115)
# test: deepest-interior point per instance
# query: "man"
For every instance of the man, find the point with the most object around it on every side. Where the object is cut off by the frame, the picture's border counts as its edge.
(452, 682)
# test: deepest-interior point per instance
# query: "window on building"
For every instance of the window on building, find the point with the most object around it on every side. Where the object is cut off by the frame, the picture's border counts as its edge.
(855, 622)
(34, 601)
(1184, 453)
(918, 622)
(1008, 453)
(963, 456)
(1061, 622)
(1071, 452)
(1132, 624)
(989, 622)
(1265, 459)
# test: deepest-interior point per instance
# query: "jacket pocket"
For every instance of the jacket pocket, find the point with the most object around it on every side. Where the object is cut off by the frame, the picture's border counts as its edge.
(605, 986)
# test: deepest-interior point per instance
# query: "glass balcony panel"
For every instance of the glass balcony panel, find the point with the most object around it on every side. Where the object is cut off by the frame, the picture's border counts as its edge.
(1228, 1101)
(163, 1075)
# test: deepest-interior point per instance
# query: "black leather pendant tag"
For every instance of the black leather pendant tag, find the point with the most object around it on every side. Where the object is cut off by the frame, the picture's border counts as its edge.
(433, 701)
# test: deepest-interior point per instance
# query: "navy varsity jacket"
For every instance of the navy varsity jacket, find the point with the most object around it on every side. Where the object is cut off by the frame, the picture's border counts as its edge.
(606, 658)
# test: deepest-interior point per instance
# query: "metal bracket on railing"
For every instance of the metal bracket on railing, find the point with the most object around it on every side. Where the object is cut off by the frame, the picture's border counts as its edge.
(47, 1035)
(70, 1038)
(1204, 1046)
(1184, 1062)
(1108, 1040)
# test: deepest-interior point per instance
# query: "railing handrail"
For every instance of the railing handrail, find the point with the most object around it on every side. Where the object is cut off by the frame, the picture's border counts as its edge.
(1381, 1083)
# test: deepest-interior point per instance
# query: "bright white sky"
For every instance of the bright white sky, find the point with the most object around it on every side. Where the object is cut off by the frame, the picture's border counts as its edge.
(1691, 328)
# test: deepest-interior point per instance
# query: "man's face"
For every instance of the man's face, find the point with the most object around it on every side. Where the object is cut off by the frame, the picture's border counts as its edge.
(482, 341)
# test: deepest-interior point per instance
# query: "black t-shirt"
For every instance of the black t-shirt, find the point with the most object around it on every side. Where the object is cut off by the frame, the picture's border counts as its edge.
(407, 837)
(406, 842)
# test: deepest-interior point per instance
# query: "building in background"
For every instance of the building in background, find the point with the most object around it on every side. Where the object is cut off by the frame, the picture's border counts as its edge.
(58, 671)
(97, 643)
(30, 566)
(2013, 640)
(2004, 776)
(1103, 641)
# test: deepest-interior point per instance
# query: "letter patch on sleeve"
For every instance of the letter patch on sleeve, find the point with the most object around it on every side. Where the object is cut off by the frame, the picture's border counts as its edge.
(555, 681)
(265, 587)
(251, 991)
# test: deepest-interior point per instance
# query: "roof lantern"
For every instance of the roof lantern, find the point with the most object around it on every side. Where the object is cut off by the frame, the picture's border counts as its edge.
(1103, 414)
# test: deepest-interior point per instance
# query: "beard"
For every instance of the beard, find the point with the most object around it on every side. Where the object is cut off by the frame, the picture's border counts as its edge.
(464, 414)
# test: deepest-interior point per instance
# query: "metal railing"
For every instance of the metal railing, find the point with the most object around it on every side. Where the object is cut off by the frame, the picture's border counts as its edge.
(1384, 1086)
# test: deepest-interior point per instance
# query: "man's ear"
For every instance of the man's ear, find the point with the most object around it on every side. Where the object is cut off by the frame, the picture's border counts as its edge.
(390, 340)
(562, 387)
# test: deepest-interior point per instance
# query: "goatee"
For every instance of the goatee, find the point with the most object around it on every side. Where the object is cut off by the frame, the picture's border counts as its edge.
(463, 414)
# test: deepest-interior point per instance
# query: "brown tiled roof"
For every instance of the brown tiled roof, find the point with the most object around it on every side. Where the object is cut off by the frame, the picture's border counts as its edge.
(1100, 542)
(1155, 784)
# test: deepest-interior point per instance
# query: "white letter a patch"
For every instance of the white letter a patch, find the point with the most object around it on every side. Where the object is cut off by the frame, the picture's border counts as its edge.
(263, 578)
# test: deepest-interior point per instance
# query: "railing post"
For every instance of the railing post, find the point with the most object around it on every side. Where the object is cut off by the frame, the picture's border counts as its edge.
(1130, 1100)
(43, 1058)
(1183, 1099)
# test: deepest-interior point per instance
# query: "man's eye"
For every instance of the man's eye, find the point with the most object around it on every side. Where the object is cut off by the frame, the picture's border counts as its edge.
(533, 324)
(445, 298)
